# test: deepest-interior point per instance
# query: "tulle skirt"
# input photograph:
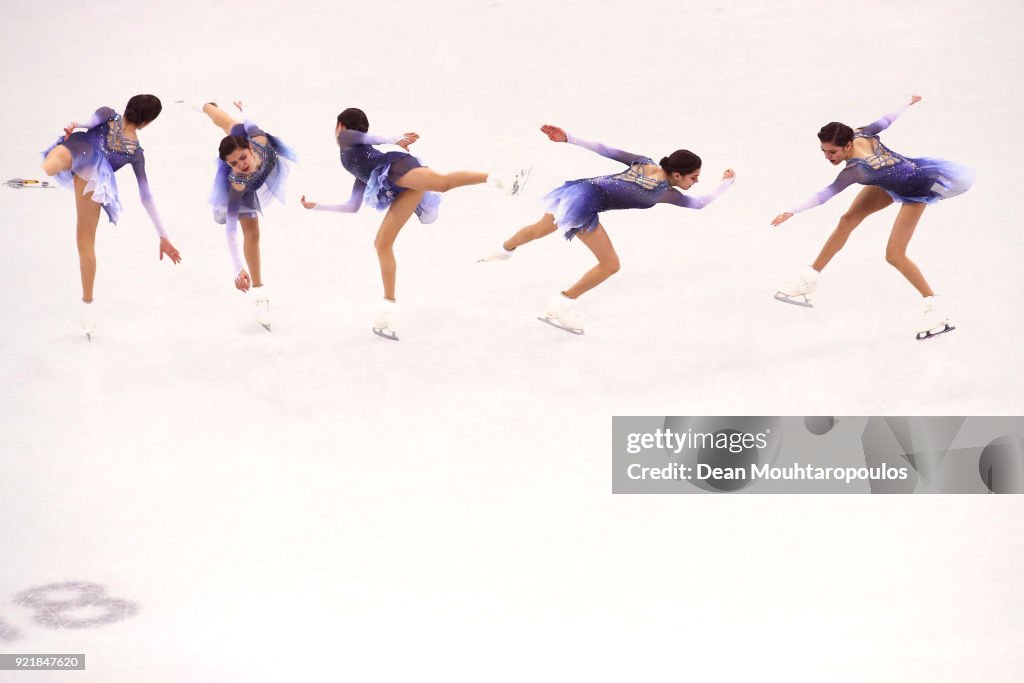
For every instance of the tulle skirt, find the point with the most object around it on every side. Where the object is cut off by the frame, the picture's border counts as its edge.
(269, 190)
(90, 164)
(381, 189)
(575, 206)
(941, 179)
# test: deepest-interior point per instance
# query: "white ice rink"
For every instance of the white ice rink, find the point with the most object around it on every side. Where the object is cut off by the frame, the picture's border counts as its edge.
(318, 504)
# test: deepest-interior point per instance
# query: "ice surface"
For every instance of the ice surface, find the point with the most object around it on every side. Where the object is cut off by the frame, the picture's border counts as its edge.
(319, 504)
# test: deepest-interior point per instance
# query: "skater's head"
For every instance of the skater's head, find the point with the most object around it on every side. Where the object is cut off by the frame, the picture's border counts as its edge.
(352, 119)
(142, 109)
(682, 168)
(836, 141)
(237, 153)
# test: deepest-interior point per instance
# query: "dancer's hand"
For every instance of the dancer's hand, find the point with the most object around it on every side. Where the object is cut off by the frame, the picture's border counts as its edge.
(782, 218)
(914, 99)
(407, 140)
(167, 248)
(729, 174)
(242, 281)
(307, 205)
(70, 128)
(554, 133)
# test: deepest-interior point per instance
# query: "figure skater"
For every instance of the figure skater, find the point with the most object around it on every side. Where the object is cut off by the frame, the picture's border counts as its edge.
(574, 209)
(253, 166)
(400, 183)
(85, 162)
(914, 183)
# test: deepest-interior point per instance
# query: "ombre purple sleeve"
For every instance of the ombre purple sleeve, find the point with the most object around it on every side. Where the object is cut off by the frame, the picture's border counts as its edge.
(231, 229)
(848, 176)
(677, 198)
(353, 204)
(605, 151)
(101, 115)
(876, 127)
(348, 138)
(139, 166)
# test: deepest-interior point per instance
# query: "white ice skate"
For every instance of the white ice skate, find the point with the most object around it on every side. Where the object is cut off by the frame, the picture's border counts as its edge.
(934, 321)
(559, 313)
(22, 183)
(801, 290)
(86, 314)
(512, 182)
(194, 105)
(262, 307)
(502, 254)
(386, 323)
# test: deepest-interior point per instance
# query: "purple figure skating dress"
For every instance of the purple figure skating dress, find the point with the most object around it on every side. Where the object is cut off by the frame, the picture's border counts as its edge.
(237, 194)
(377, 173)
(906, 180)
(576, 204)
(96, 154)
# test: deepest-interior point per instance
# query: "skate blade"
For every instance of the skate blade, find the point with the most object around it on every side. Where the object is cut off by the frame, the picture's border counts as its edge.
(21, 184)
(806, 303)
(266, 326)
(385, 334)
(551, 322)
(520, 183)
(921, 336)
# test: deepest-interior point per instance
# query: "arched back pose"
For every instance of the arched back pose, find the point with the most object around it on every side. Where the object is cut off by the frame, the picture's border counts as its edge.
(400, 183)
(253, 166)
(889, 177)
(85, 161)
(574, 209)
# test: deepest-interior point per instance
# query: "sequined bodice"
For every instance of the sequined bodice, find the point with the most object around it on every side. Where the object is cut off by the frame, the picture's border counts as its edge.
(118, 149)
(268, 161)
(360, 160)
(635, 174)
(881, 156)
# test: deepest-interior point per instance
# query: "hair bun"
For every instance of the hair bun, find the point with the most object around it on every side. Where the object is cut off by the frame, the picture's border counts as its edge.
(663, 162)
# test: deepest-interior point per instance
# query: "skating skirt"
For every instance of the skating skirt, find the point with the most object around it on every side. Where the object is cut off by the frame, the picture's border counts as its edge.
(90, 164)
(382, 187)
(941, 180)
(575, 206)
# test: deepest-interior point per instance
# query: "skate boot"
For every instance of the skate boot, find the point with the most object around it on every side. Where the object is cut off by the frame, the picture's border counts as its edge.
(511, 182)
(934, 320)
(502, 254)
(86, 315)
(195, 105)
(801, 290)
(386, 323)
(262, 306)
(559, 313)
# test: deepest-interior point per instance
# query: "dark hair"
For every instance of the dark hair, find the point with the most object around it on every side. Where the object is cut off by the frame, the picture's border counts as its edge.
(142, 109)
(836, 133)
(231, 143)
(681, 161)
(354, 119)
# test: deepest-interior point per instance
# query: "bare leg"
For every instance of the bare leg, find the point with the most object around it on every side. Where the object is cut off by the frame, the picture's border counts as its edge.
(394, 220)
(545, 226)
(251, 247)
(59, 159)
(599, 243)
(88, 218)
(896, 249)
(431, 181)
(220, 118)
(867, 202)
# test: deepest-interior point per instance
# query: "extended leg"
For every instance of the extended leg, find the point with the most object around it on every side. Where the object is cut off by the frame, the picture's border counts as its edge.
(545, 226)
(868, 201)
(599, 243)
(88, 213)
(899, 239)
(431, 181)
(220, 118)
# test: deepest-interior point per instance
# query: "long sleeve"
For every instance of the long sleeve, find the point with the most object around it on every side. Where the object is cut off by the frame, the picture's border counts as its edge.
(348, 138)
(231, 230)
(848, 176)
(146, 195)
(605, 151)
(101, 115)
(677, 198)
(353, 204)
(876, 127)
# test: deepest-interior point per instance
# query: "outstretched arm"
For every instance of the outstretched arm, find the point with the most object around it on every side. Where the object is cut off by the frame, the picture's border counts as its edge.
(848, 176)
(351, 206)
(231, 233)
(348, 138)
(146, 196)
(876, 127)
(556, 134)
(674, 196)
